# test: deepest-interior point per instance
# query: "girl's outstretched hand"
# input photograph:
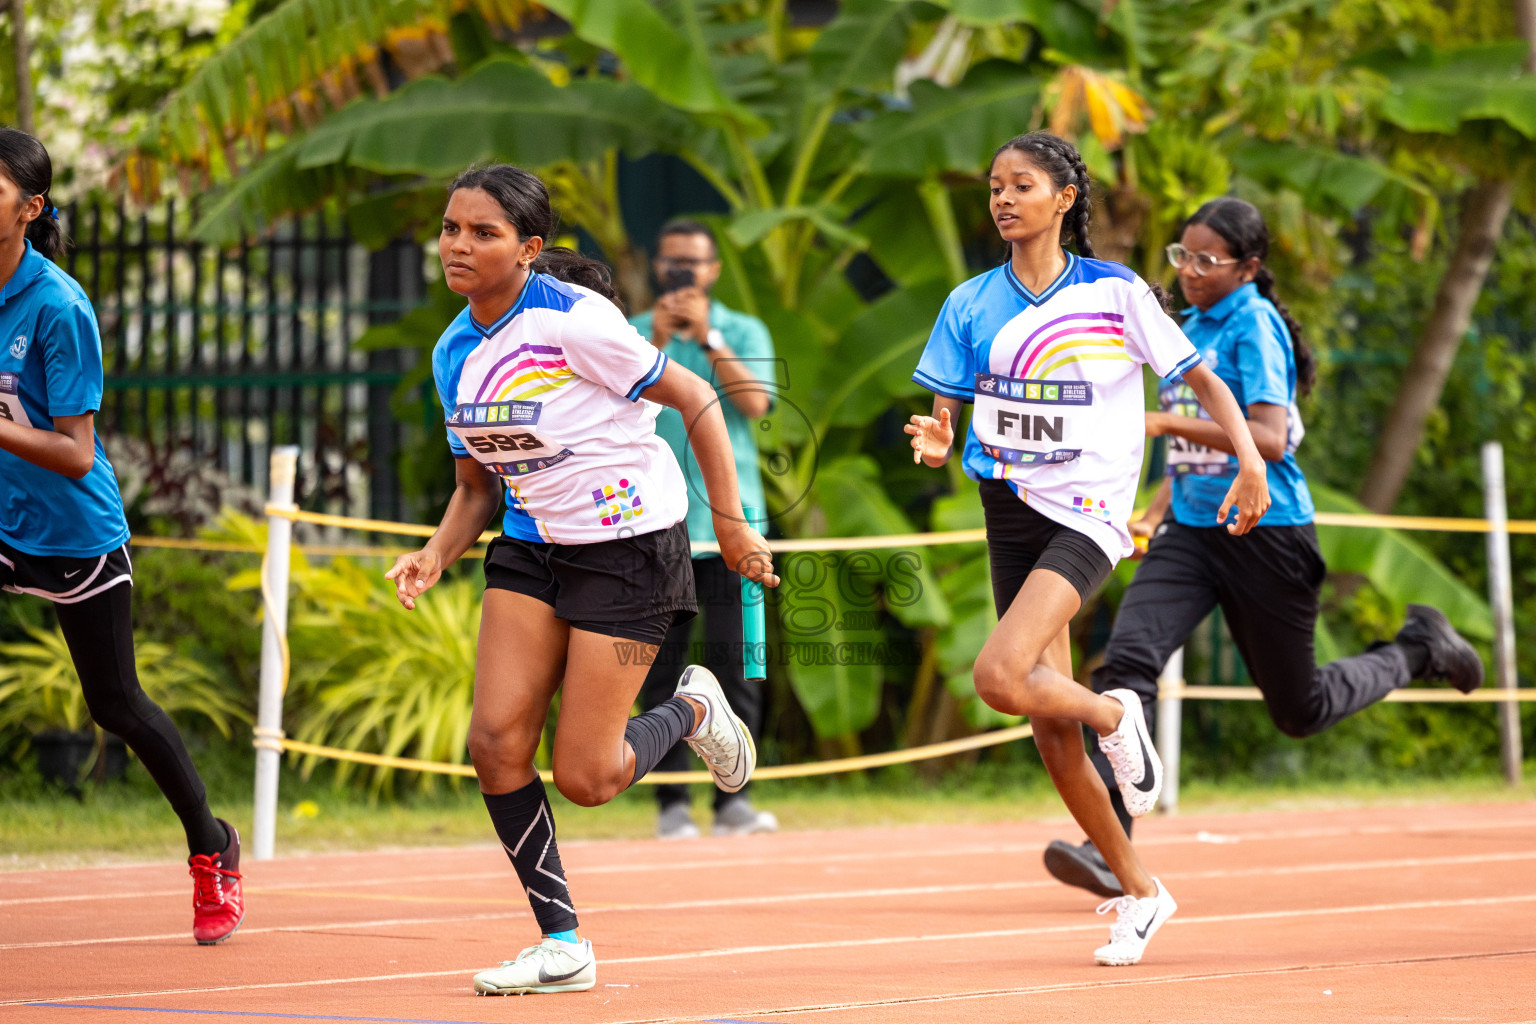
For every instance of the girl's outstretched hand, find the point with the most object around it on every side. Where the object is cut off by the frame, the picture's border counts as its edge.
(414, 574)
(1249, 494)
(931, 438)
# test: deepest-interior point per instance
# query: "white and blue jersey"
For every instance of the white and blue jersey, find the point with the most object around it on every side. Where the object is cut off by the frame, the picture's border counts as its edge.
(1057, 384)
(1245, 341)
(50, 366)
(548, 399)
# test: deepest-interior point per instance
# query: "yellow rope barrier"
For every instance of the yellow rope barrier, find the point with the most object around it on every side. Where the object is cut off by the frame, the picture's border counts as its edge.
(927, 539)
(782, 771)
(899, 540)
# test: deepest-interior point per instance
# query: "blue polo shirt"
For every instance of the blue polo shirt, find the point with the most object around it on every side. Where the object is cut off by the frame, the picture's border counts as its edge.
(50, 365)
(748, 338)
(1243, 339)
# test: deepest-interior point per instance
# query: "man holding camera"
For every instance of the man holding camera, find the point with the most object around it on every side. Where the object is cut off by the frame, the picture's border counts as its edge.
(732, 351)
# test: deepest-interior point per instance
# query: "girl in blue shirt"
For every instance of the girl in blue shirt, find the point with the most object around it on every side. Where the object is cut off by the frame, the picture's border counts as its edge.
(63, 535)
(1266, 581)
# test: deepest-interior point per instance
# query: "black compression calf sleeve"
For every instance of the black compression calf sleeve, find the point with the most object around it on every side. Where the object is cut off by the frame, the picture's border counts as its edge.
(657, 731)
(99, 632)
(527, 832)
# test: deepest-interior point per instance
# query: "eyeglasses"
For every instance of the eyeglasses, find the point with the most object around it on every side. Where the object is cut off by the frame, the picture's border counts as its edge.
(1203, 262)
(682, 262)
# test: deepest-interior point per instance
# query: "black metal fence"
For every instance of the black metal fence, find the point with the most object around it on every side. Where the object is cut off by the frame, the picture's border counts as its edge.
(225, 353)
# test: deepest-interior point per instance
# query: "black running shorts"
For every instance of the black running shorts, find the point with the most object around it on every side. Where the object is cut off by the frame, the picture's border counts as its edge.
(62, 579)
(1020, 540)
(637, 588)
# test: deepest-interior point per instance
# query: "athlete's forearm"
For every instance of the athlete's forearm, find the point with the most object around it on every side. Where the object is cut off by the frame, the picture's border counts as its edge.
(1162, 501)
(1216, 399)
(686, 391)
(476, 497)
(717, 462)
(743, 387)
(1268, 437)
(69, 449)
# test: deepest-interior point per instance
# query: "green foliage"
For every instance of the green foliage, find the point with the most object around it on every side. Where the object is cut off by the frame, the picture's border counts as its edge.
(40, 690)
(1439, 91)
(370, 676)
(851, 141)
(1400, 569)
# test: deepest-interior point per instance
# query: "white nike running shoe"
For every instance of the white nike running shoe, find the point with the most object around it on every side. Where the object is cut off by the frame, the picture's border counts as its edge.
(551, 966)
(1138, 772)
(723, 742)
(1137, 921)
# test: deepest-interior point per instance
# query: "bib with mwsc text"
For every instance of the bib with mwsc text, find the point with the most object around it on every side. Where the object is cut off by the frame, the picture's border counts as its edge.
(1024, 422)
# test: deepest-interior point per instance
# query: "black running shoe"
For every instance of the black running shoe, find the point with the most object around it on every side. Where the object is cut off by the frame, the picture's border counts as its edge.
(1082, 866)
(1450, 657)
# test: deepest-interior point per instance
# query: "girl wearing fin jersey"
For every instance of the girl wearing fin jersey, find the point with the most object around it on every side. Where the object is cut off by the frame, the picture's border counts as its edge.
(63, 535)
(1267, 582)
(1049, 347)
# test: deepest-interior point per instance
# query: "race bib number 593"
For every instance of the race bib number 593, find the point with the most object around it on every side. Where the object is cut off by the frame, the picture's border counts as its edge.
(505, 434)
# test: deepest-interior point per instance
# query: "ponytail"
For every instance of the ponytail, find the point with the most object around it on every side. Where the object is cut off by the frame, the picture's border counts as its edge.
(1063, 164)
(1242, 227)
(26, 163)
(573, 268)
(1306, 362)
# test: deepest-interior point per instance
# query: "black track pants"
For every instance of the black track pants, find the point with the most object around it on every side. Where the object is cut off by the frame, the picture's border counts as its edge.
(1266, 583)
(99, 631)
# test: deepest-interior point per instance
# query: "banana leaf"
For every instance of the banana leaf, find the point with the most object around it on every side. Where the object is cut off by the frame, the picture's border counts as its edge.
(952, 130)
(1398, 567)
(1440, 90)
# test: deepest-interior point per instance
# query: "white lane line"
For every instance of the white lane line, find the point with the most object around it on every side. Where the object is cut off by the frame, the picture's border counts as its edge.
(977, 850)
(820, 895)
(798, 947)
(1078, 986)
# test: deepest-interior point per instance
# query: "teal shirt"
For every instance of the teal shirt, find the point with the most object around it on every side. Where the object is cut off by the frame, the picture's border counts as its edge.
(747, 337)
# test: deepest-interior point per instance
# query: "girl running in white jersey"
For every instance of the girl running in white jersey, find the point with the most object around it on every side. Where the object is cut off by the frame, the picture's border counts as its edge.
(63, 535)
(1049, 346)
(547, 391)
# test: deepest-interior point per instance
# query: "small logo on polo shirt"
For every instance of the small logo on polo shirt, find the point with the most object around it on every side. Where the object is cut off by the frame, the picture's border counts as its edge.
(19, 346)
(1088, 506)
(618, 505)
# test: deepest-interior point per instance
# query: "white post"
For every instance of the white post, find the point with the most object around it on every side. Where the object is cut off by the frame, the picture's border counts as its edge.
(274, 630)
(1501, 599)
(1170, 720)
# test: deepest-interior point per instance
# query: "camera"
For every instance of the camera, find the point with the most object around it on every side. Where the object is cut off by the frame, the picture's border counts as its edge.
(676, 279)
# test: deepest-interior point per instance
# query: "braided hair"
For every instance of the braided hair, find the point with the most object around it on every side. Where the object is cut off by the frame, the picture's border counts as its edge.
(1063, 164)
(1242, 227)
(24, 160)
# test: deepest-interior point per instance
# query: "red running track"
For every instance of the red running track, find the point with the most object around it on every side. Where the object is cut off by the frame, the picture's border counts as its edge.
(1391, 914)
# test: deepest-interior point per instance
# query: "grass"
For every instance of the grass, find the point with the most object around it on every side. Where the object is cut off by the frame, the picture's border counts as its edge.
(129, 821)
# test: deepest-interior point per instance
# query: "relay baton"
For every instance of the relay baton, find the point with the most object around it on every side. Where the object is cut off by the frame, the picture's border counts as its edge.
(753, 634)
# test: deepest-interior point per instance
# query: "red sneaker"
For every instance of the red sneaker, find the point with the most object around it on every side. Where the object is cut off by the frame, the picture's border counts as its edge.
(217, 904)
